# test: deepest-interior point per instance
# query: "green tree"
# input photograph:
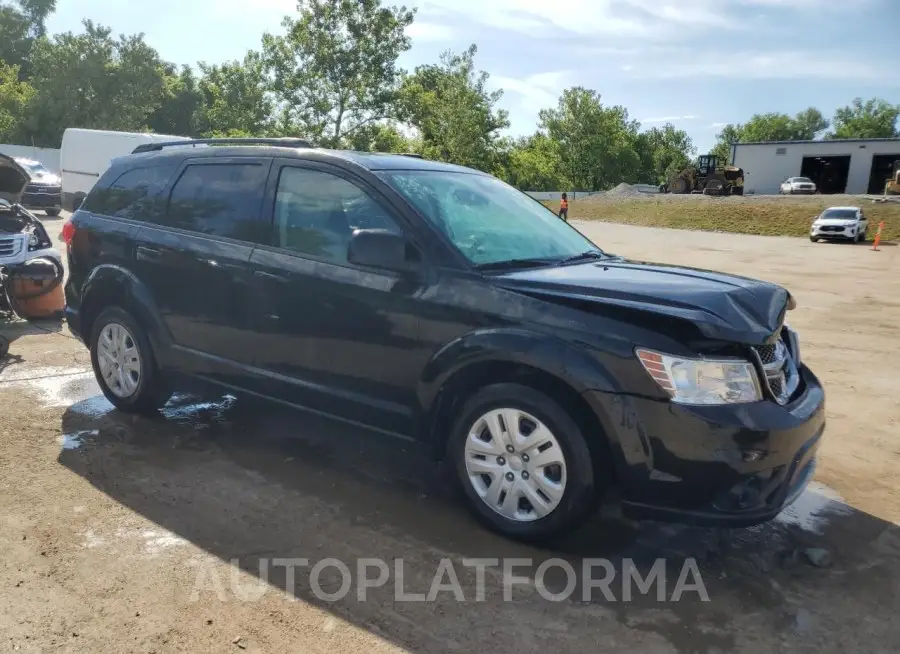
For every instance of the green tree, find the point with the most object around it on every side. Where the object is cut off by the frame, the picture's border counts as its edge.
(664, 152)
(597, 144)
(235, 98)
(729, 134)
(804, 126)
(335, 70)
(21, 23)
(533, 163)
(14, 98)
(178, 112)
(809, 124)
(380, 138)
(871, 119)
(92, 80)
(453, 111)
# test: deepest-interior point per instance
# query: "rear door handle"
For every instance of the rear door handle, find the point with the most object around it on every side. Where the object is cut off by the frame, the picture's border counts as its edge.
(271, 276)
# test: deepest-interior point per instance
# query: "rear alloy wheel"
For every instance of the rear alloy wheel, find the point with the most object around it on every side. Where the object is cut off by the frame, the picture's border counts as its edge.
(522, 462)
(123, 363)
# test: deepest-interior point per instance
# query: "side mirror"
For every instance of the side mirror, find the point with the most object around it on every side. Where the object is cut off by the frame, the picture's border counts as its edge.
(380, 248)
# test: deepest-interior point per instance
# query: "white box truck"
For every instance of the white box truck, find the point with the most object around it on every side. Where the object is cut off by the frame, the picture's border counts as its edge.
(86, 154)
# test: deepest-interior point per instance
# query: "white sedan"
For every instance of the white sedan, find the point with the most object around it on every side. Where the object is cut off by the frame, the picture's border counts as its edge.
(842, 223)
(797, 186)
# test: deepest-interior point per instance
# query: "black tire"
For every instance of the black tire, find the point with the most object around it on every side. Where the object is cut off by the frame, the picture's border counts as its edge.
(813, 239)
(151, 393)
(679, 186)
(53, 213)
(4, 347)
(580, 496)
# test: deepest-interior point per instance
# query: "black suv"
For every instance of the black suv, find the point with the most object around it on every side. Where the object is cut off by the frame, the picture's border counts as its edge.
(436, 303)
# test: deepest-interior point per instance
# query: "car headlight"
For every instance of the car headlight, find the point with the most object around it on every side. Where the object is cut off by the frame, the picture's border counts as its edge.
(33, 241)
(702, 381)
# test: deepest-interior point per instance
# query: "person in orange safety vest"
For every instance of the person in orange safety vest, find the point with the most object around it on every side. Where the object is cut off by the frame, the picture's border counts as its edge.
(564, 207)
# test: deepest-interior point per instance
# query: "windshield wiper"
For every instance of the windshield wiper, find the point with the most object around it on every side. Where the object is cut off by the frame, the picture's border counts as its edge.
(584, 256)
(516, 263)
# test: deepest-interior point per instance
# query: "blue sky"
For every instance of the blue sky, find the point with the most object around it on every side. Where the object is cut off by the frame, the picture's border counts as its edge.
(696, 63)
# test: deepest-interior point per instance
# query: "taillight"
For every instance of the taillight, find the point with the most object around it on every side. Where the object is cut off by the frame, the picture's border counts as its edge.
(68, 232)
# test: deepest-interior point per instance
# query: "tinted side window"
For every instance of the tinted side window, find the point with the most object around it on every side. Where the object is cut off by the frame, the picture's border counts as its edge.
(220, 200)
(133, 195)
(316, 212)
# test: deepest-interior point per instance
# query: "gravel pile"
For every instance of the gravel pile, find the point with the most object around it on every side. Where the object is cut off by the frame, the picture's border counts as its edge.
(623, 190)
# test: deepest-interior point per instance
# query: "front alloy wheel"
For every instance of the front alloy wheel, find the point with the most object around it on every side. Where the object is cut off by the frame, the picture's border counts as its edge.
(515, 464)
(523, 463)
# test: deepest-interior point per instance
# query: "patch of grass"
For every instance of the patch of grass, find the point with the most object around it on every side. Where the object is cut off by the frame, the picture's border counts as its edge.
(773, 216)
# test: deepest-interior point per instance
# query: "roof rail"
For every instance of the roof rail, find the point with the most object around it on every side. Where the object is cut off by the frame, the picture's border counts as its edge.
(283, 142)
(411, 154)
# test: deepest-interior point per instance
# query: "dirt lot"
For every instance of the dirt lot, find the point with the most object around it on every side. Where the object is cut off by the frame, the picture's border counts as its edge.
(765, 215)
(114, 530)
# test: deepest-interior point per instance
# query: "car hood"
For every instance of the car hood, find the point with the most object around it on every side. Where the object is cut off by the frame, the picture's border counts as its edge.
(46, 179)
(831, 222)
(722, 306)
(13, 185)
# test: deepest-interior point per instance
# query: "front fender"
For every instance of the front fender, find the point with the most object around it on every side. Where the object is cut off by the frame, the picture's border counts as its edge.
(537, 350)
(112, 285)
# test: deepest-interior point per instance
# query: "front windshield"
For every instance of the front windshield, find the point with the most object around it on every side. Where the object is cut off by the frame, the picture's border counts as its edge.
(489, 221)
(803, 180)
(845, 214)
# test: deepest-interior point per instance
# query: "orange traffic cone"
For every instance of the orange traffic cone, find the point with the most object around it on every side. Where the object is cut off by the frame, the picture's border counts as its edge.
(878, 236)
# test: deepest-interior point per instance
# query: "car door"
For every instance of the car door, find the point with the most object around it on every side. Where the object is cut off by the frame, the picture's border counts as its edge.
(195, 261)
(330, 335)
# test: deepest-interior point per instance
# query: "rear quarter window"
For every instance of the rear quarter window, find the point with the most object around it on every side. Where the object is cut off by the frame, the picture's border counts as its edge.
(135, 194)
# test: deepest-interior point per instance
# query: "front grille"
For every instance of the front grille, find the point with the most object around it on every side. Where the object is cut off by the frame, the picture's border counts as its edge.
(766, 353)
(10, 246)
(39, 188)
(779, 367)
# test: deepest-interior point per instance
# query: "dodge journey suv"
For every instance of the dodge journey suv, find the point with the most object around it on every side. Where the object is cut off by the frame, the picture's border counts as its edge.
(435, 303)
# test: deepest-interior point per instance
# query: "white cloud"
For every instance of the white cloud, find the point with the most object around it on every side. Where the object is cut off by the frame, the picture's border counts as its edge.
(801, 64)
(535, 91)
(667, 119)
(717, 125)
(623, 19)
(425, 31)
(806, 5)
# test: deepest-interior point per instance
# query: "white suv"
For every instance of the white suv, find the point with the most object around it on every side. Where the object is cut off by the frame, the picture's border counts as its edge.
(843, 223)
(797, 186)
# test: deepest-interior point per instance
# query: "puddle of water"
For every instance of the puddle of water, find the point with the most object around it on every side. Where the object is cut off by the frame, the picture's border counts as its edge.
(93, 540)
(813, 509)
(93, 407)
(156, 542)
(187, 408)
(73, 441)
(57, 386)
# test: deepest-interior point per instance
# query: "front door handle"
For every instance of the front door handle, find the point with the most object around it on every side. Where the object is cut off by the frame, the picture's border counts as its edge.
(271, 276)
(147, 253)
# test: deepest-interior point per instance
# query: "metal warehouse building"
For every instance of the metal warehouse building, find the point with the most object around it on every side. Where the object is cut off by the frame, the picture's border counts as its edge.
(854, 166)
